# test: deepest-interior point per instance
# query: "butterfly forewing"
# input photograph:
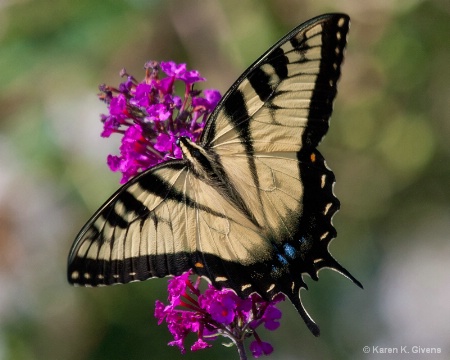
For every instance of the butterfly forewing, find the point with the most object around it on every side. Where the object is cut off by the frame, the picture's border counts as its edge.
(277, 111)
(258, 214)
(177, 218)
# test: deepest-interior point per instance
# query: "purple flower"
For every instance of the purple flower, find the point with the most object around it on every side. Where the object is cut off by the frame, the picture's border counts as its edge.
(179, 72)
(173, 69)
(258, 348)
(270, 314)
(271, 317)
(200, 344)
(215, 313)
(212, 97)
(177, 287)
(220, 304)
(150, 117)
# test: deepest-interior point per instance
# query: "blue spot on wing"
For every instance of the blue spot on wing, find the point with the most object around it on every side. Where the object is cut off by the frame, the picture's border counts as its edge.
(289, 250)
(282, 259)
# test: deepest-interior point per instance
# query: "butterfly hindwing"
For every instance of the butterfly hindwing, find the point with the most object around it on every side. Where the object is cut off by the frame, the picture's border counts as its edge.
(250, 206)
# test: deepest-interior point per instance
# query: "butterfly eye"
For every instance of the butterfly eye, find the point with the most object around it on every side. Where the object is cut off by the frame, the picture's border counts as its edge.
(195, 153)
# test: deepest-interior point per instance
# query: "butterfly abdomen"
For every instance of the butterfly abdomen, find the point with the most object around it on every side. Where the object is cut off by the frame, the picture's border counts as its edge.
(206, 165)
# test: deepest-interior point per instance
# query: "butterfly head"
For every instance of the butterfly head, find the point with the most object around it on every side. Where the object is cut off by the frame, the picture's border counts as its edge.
(192, 152)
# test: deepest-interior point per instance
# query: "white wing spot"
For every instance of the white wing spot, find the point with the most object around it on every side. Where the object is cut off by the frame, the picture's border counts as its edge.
(87, 275)
(132, 274)
(75, 275)
(341, 22)
(115, 276)
(293, 286)
(270, 288)
(338, 35)
(246, 286)
(100, 277)
(221, 278)
(322, 181)
(324, 235)
(327, 207)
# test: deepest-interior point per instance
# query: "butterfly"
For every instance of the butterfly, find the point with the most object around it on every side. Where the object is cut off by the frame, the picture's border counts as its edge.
(249, 207)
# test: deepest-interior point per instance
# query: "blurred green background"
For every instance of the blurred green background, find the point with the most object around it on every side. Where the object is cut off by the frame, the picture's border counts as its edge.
(388, 146)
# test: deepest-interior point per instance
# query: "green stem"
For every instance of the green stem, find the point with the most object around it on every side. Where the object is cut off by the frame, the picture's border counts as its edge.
(241, 350)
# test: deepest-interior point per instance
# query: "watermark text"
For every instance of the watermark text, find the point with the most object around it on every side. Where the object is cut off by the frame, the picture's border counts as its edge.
(403, 349)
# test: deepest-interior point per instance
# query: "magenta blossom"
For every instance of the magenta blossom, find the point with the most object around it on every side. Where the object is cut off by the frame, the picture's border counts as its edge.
(151, 117)
(215, 313)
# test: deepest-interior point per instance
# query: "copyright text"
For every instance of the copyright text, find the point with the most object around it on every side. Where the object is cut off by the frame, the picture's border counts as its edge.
(415, 349)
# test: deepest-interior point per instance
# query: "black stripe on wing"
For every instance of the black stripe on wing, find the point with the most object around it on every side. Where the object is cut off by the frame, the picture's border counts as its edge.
(260, 80)
(334, 39)
(90, 260)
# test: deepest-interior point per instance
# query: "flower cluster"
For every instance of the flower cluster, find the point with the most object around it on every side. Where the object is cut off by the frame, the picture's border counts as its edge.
(151, 118)
(216, 312)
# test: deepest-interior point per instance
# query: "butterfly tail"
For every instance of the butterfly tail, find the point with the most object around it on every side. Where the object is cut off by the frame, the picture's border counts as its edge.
(331, 263)
(294, 296)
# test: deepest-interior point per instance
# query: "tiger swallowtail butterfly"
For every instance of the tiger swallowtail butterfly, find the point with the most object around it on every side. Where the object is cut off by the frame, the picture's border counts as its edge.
(250, 206)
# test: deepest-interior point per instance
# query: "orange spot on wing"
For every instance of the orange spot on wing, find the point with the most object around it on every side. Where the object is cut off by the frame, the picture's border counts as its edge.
(198, 264)
(313, 157)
